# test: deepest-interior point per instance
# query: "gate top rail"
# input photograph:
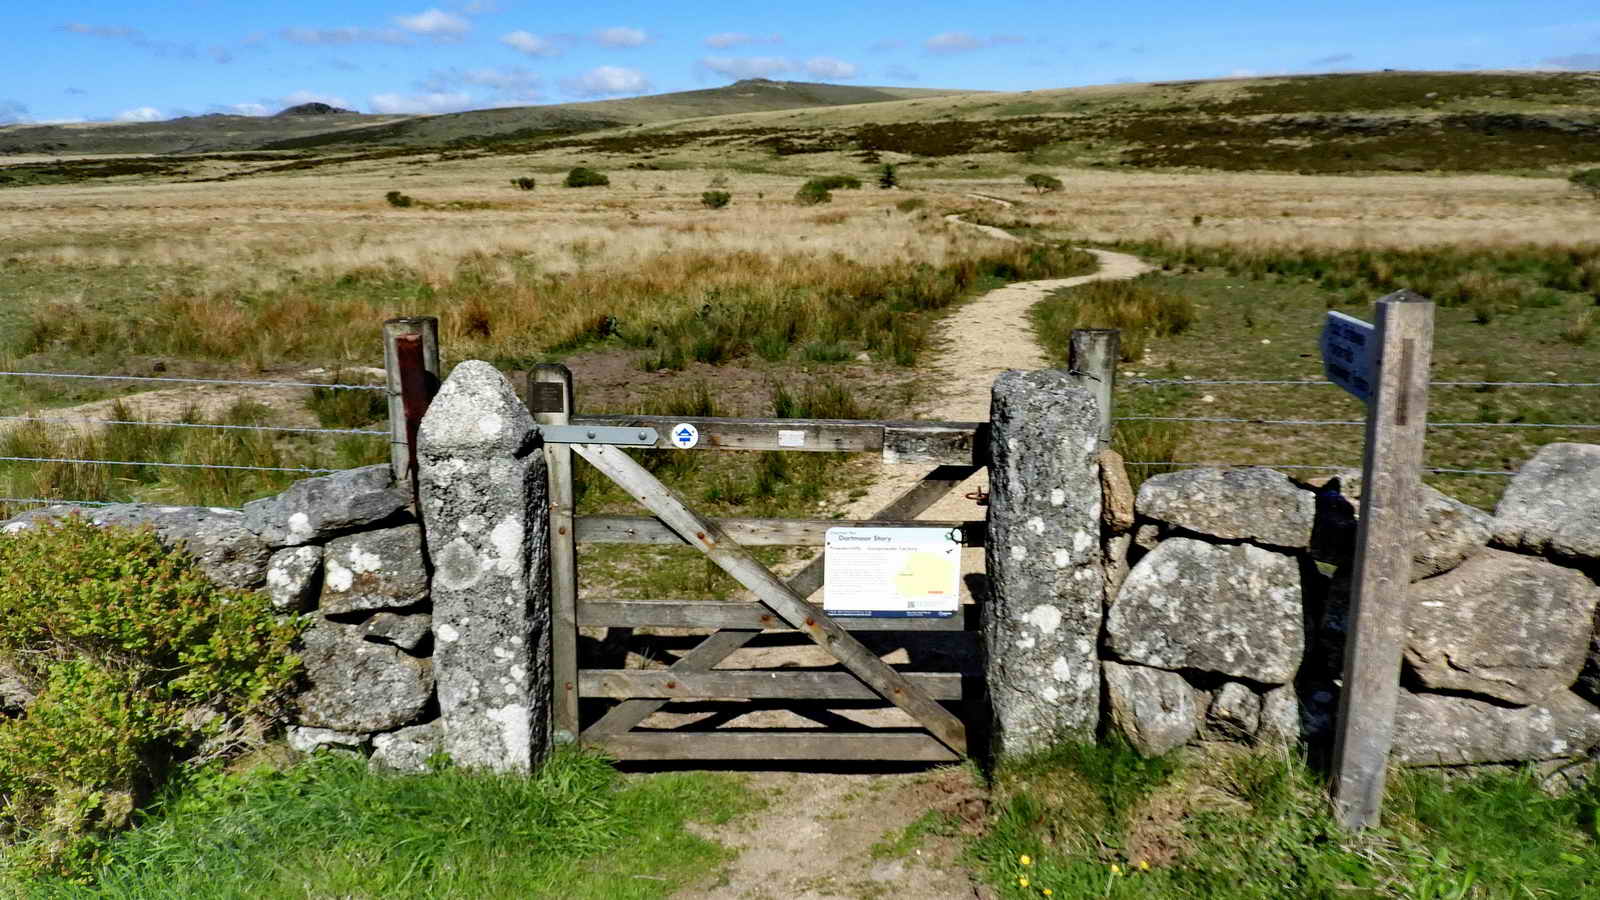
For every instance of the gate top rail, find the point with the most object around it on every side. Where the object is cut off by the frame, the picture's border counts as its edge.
(909, 442)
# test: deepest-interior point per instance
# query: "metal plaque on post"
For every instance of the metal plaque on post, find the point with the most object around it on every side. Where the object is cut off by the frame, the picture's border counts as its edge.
(1350, 354)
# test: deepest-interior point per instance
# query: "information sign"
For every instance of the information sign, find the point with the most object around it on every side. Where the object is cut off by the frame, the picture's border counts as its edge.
(892, 572)
(1349, 351)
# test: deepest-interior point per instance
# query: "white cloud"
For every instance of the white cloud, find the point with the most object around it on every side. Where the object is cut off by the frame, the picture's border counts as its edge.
(1332, 59)
(320, 36)
(247, 109)
(952, 42)
(745, 66)
(423, 104)
(105, 31)
(885, 45)
(725, 39)
(902, 73)
(435, 23)
(304, 96)
(603, 81)
(963, 42)
(479, 7)
(511, 83)
(1580, 61)
(140, 114)
(831, 69)
(530, 43)
(620, 37)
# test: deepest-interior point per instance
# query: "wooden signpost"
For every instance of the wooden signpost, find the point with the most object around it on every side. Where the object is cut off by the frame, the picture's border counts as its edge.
(1385, 365)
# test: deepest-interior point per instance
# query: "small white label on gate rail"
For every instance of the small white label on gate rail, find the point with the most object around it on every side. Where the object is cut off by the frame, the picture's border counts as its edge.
(892, 572)
(685, 436)
(791, 438)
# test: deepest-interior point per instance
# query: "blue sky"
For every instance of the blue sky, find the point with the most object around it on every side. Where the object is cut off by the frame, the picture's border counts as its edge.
(104, 60)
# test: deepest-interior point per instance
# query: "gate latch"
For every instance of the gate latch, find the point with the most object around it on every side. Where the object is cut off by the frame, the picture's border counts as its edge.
(599, 434)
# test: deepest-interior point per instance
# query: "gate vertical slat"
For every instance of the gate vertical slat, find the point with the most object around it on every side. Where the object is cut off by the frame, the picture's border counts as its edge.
(550, 399)
(736, 561)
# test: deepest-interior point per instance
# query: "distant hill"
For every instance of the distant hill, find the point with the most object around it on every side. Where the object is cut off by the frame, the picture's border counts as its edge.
(318, 125)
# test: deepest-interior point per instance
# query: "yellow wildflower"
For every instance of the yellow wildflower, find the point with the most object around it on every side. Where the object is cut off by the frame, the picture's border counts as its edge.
(1026, 860)
(1047, 892)
(1144, 866)
(1022, 880)
(1116, 869)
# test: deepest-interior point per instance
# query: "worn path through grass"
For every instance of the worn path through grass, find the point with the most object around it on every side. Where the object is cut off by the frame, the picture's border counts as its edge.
(827, 836)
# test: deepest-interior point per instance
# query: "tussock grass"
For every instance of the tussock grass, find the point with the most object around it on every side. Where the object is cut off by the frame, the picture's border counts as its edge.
(328, 828)
(1099, 821)
(1142, 309)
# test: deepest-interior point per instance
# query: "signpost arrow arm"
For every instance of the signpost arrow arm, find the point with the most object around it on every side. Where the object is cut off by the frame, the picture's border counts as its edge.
(1391, 478)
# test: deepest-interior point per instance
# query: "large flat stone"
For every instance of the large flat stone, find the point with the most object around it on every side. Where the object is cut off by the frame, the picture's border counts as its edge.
(223, 547)
(313, 510)
(1552, 504)
(371, 570)
(1250, 504)
(1231, 609)
(1510, 627)
(1440, 730)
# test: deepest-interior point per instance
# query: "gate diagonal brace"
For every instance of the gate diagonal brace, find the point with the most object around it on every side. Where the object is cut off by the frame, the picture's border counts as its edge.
(599, 434)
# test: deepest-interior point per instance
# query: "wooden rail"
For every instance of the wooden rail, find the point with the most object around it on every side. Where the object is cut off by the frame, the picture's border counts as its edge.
(755, 532)
(932, 443)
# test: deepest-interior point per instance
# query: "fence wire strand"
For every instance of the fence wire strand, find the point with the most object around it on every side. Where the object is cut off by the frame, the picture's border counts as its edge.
(165, 379)
(45, 501)
(1307, 382)
(164, 465)
(1238, 421)
(69, 421)
(1204, 465)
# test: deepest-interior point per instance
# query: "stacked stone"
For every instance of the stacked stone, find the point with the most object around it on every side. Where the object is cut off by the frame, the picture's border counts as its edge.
(345, 548)
(1225, 626)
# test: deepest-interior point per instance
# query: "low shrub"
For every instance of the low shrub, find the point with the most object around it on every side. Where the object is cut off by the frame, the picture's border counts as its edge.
(911, 204)
(1043, 183)
(1587, 180)
(585, 177)
(1140, 308)
(811, 193)
(523, 184)
(398, 200)
(837, 182)
(135, 662)
(887, 178)
(715, 199)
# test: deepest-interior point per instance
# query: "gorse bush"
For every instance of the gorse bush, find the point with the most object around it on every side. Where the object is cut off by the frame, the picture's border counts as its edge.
(523, 184)
(129, 660)
(811, 193)
(715, 199)
(836, 182)
(399, 200)
(585, 177)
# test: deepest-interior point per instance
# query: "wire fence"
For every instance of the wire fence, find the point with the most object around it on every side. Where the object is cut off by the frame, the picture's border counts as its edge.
(1263, 421)
(93, 423)
(1318, 423)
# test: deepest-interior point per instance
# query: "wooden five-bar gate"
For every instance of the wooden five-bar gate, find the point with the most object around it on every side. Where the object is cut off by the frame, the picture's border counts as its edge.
(958, 450)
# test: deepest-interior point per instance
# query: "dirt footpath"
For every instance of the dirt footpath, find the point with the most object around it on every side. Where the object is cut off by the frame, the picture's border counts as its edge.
(815, 839)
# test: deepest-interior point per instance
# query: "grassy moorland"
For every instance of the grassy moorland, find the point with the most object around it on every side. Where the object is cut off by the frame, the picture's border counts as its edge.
(1265, 202)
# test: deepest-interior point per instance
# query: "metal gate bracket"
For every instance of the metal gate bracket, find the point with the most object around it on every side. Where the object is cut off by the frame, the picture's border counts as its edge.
(599, 434)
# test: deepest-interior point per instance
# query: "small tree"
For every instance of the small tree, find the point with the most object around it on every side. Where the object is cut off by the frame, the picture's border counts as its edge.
(715, 199)
(584, 177)
(887, 178)
(398, 199)
(522, 184)
(1587, 180)
(1042, 183)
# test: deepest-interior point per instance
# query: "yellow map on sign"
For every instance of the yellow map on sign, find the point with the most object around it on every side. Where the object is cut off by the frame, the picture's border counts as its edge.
(925, 575)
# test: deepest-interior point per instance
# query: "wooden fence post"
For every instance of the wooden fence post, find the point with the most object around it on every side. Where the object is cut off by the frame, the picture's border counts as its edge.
(550, 400)
(1092, 359)
(1397, 416)
(411, 364)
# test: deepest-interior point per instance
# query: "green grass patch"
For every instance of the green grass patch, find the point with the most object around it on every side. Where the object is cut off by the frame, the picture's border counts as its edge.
(1258, 314)
(1098, 821)
(329, 828)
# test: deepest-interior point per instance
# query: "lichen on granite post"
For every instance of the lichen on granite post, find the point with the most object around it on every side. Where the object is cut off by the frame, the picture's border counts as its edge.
(1042, 624)
(482, 486)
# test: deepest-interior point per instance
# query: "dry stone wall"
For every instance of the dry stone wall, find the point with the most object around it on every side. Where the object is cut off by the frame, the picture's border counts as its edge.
(1228, 610)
